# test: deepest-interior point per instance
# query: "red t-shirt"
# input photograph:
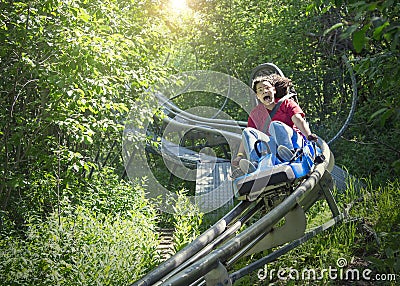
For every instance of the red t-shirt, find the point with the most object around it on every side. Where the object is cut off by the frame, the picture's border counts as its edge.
(260, 113)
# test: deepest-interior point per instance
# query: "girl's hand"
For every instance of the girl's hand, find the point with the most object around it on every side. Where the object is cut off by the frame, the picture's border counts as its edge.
(312, 137)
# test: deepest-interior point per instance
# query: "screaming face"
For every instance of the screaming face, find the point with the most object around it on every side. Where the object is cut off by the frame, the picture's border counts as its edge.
(267, 98)
(265, 93)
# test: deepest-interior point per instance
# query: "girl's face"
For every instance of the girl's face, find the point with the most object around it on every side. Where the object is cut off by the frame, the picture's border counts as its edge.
(265, 92)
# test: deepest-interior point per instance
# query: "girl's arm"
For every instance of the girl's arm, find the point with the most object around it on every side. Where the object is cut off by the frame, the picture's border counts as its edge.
(302, 124)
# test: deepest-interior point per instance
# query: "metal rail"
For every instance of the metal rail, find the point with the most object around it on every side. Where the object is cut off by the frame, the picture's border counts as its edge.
(196, 246)
(353, 102)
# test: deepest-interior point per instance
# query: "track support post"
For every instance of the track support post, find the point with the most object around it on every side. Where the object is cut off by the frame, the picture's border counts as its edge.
(326, 184)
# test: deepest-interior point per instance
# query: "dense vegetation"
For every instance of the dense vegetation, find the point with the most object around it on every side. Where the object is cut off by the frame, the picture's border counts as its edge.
(71, 71)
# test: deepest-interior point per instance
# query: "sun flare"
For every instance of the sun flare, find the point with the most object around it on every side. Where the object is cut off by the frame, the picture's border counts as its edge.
(179, 6)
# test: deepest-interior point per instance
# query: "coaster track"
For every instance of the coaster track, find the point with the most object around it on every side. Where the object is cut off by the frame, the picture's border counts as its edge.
(210, 257)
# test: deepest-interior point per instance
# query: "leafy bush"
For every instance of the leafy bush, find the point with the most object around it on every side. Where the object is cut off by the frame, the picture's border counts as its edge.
(85, 248)
(109, 239)
(81, 249)
(187, 221)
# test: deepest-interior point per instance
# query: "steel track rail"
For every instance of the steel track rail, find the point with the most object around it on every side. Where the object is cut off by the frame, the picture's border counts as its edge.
(286, 248)
(196, 246)
(224, 236)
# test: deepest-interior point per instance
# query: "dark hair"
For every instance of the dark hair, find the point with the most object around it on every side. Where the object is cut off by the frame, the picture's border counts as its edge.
(281, 84)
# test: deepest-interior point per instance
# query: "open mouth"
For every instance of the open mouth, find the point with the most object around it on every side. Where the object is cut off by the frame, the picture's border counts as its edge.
(267, 98)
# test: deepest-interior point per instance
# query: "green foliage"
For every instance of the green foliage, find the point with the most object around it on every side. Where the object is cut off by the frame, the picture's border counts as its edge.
(380, 211)
(109, 239)
(374, 21)
(371, 31)
(187, 221)
(71, 71)
(81, 248)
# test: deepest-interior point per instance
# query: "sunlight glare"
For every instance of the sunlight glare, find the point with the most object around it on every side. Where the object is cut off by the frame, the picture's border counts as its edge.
(179, 6)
